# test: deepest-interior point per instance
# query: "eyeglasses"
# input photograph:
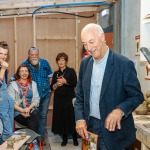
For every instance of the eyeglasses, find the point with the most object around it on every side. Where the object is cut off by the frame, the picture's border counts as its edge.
(33, 48)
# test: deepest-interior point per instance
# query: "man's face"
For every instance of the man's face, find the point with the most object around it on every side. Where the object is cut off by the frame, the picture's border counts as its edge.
(34, 57)
(93, 43)
(3, 54)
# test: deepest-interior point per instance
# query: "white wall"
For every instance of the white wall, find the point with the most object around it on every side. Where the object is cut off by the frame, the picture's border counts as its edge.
(130, 28)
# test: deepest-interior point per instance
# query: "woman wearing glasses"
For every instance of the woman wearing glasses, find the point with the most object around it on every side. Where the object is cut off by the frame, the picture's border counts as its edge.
(63, 83)
(6, 103)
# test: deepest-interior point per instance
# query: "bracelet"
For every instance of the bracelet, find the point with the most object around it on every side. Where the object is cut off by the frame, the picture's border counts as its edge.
(55, 86)
(1, 80)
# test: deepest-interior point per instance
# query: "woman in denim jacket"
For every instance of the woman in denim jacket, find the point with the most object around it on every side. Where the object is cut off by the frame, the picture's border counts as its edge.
(6, 103)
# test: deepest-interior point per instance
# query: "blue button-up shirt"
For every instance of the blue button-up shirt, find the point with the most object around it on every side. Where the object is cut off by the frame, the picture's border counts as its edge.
(41, 77)
(96, 84)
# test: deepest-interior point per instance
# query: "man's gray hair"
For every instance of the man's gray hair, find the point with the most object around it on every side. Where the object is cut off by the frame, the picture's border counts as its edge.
(33, 48)
(97, 27)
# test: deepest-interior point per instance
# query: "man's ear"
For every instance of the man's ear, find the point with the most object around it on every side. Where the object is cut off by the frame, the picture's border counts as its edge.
(103, 37)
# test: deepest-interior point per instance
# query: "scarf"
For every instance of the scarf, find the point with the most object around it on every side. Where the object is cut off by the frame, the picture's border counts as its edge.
(24, 89)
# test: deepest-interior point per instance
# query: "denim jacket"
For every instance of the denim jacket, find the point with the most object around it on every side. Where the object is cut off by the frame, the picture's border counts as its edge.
(6, 111)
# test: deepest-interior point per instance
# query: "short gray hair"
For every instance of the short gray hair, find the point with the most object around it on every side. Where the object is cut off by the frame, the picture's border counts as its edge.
(94, 26)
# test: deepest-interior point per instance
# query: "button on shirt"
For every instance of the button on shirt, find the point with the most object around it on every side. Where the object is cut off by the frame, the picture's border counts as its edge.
(96, 84)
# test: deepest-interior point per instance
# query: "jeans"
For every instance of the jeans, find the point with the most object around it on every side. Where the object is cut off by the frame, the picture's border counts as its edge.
(6, 111)
(43, 110)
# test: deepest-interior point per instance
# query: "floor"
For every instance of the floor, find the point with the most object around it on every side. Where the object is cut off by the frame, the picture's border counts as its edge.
(55, 142)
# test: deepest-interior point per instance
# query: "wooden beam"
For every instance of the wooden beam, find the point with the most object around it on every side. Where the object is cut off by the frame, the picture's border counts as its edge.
(69, 10)
(28, 12)
(77, 45)
(15, 40)
(26, 8)
(34, 31)
(45, 37)
(34, 4)
(111, 1)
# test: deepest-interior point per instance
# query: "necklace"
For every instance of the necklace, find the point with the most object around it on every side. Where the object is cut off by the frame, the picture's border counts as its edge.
(59, 75)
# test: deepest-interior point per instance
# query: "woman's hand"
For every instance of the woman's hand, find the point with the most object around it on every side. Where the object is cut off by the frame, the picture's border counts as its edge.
(27, 111)
(61, 81)
(55, 86)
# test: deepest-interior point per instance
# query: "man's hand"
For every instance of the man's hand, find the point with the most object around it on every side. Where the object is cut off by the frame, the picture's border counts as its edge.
(81, 128)
(113, 120)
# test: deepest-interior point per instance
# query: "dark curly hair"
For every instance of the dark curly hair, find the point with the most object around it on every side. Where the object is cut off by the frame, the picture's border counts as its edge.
(18, 70)
(60, 55)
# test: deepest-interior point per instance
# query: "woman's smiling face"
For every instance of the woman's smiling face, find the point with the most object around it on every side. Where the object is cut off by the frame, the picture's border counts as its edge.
(24, 73)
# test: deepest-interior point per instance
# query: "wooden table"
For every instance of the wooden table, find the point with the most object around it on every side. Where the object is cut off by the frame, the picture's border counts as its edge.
(142, 124)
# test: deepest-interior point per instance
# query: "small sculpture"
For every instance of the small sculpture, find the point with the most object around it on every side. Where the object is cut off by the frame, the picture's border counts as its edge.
(142, 109)
(10, 143)
(23, 135)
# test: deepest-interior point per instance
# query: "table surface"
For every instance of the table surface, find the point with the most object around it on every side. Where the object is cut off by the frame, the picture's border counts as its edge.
(142, 124)
(17, 143)
(22, 144)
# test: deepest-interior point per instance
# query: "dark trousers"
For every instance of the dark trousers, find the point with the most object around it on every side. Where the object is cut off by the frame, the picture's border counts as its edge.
(31, 122)
(95, 127)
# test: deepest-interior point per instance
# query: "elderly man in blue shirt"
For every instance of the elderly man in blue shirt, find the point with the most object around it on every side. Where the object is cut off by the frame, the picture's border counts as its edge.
(107, 93)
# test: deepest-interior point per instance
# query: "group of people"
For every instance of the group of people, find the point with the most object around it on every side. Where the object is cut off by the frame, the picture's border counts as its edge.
(106, 93)
(28, 94)
(26, 99)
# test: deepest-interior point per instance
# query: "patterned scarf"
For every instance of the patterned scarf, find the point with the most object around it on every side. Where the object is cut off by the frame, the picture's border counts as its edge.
(25, 88)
